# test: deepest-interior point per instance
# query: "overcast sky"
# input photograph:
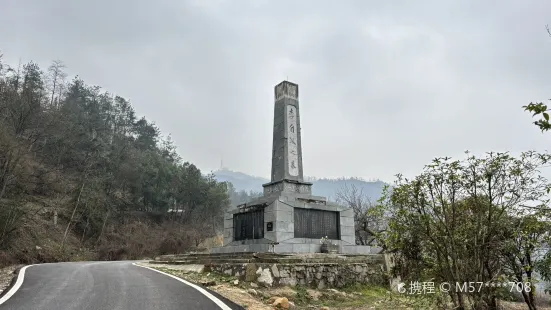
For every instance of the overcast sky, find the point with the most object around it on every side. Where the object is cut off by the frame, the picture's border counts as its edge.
(385, 86)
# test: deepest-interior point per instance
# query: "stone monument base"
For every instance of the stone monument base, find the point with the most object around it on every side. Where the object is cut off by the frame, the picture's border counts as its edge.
(289, 248)
(313, 270)
(289, 219)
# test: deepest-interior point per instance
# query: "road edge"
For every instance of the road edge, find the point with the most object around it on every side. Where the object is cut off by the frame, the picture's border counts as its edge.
(15, 274)
(223, 302)
(14, 285)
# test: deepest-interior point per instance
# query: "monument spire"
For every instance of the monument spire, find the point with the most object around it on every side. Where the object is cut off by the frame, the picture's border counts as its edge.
(286, 148)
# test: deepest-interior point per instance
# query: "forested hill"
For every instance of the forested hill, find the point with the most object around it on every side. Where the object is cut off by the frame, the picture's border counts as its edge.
(81, 176)
(321, 187)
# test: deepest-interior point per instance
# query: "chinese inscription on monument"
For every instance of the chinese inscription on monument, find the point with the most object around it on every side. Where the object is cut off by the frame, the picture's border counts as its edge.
(292, 147)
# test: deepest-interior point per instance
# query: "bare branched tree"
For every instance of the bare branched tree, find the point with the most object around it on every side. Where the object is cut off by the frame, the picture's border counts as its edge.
(367, 223)
(56, 76)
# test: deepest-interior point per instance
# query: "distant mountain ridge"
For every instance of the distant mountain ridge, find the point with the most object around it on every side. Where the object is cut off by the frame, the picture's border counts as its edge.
(321, 186)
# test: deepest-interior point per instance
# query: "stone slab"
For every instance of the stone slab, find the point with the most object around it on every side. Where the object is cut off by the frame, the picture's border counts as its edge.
(228, 223)
(295, 248)
(345, 211)
(284, 226)
(228, 232)
(347, 230)
(346, 221)
(284, 236)
(351, 239)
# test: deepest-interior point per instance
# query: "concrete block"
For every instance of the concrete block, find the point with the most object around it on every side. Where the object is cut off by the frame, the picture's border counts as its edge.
(270, 207)
(280, 206)
(346, 221)
(277, 204)
(259, 247)
(283, 248)
(284, 216)
(349, 250)
(348, 239)
(270, 235)
(295, 240)
(314, 248)
(347, 230)
(312, 241)
(301, 248)
(283, 236)
(283, 226)
(269, 216)
(363, 249)
(228, 232)
(376, 250)
(228, 223)
(347, 212)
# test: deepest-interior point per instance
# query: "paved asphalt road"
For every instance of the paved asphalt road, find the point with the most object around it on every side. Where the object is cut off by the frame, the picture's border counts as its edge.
(109, 286)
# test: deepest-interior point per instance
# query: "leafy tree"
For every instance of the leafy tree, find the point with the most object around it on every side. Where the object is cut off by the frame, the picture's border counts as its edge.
(539, 109)
(452, 223)
(522, 251)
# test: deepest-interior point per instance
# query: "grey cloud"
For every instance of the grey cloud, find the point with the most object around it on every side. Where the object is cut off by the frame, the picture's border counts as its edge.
(385, 86)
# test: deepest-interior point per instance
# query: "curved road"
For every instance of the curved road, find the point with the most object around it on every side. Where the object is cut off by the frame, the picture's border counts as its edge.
(109, 286)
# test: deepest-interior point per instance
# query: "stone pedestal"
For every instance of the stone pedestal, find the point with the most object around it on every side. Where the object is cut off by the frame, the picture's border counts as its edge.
(279, 225)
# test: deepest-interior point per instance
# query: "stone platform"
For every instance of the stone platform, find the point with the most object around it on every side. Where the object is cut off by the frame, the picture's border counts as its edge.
(250, 257)
(290, 248)
(269, 269)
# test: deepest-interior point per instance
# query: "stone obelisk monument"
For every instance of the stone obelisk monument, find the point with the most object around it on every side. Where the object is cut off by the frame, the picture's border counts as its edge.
(287, 173)
(288, 218)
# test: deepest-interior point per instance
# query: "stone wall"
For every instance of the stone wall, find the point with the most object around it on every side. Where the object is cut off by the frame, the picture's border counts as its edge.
(280, 212)
(318, 275)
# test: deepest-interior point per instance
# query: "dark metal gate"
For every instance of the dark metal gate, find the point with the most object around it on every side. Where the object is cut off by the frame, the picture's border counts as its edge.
(248, 225)
(315, 224)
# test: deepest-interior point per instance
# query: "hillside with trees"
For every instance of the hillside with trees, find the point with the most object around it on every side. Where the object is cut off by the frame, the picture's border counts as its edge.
(83, 177)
